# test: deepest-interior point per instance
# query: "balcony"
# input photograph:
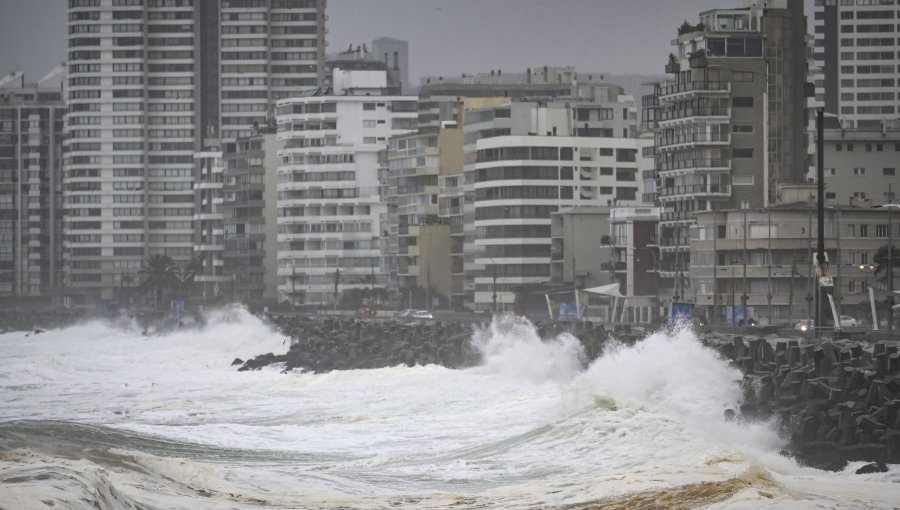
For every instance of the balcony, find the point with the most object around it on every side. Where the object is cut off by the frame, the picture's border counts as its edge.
(685, 166)
(682, 141)
(666, 116)
(696, 190)
(675, 217)
(672, 90)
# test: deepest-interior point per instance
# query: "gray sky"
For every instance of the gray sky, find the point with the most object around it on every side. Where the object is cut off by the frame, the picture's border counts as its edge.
(447, 37)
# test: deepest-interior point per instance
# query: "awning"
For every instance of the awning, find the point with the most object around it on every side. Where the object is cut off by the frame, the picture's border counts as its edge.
(611, 290)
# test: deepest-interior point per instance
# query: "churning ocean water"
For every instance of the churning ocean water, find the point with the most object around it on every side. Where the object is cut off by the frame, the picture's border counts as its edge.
(100, 416)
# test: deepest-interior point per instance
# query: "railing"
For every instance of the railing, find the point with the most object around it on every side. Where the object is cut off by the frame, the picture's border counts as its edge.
(671, 88)
(681, 139)
(683, 113)
(691, 189)
(684, 164)
(675, 216)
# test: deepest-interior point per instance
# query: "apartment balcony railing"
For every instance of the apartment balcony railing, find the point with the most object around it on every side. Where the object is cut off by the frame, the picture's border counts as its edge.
(666, 115)
(670, 142)
(694, 164)
(670, 216)
(669, 89)
(696, 189)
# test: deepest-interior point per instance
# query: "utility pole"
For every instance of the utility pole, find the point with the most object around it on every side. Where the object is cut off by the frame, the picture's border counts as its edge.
(744, 206)
(337, 278)
(715, 289)
(890, 255)
(838, 292)
(809, 263)
(769, 256)
(494, 286)
(821, 263)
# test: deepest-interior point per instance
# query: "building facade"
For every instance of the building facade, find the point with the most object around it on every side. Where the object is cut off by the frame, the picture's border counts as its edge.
(862, 165)
(856, 55)
(250, 224)
(711, 130)
(763, 257)
(148, 81)
(330, 210)
(519, 182)
(416, 164)
(31, 236)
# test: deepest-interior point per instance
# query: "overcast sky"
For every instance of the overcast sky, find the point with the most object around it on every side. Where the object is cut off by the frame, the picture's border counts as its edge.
(447, 37)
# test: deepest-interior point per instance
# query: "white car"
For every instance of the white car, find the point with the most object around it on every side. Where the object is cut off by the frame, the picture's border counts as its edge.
(848, 322)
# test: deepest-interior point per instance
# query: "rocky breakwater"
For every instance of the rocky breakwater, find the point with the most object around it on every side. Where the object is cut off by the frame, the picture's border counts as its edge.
(319, 345)
(837, 401)
(332, 344)
(37, 320)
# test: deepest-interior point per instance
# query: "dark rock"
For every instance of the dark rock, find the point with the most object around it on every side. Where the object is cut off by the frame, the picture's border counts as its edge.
(237, 361)
(875, 467)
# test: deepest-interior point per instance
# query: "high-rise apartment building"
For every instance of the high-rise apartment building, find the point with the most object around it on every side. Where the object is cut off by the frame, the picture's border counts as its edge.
(729, 126)
(526, 160)
(330, 209)
(416, 164)
(31, 121)
(148, 81)
(250, 218)
(857, 58)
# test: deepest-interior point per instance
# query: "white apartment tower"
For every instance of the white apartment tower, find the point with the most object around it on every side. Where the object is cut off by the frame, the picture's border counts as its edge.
(329, 203)
(857, 59)
(148, 81)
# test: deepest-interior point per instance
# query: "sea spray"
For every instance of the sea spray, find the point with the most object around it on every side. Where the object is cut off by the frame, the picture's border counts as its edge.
(510, 345)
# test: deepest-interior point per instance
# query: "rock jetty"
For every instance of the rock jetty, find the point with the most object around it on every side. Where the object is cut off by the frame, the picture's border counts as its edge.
(321, 345)
(836, 401)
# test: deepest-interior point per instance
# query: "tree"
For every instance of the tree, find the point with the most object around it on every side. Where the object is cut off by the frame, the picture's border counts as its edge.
(159, 276)
(188, 273)
(880, 259)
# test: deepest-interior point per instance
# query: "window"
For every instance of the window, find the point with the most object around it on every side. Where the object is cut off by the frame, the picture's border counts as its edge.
(859, 171)
(838, 147)
(888, 172)
(743, 180)
(849, 147)
(742, 102)
(743, 153)
(881, 231)
(863, 230)
(742, 128)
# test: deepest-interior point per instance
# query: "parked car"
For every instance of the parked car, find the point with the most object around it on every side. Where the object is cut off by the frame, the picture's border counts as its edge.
(848, 322)
(415, 314)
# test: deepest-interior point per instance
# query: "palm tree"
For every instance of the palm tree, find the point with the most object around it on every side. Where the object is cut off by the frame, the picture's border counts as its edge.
(159, 276)
(187, 274)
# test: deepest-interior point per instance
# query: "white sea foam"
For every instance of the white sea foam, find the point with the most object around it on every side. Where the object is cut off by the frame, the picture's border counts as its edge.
(530, 426)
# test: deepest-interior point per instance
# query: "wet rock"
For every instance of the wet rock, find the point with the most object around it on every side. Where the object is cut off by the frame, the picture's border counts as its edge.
(875, 467)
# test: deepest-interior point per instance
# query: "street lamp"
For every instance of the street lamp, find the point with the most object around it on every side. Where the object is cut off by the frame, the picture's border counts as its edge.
(866, 269)
(890, 206)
